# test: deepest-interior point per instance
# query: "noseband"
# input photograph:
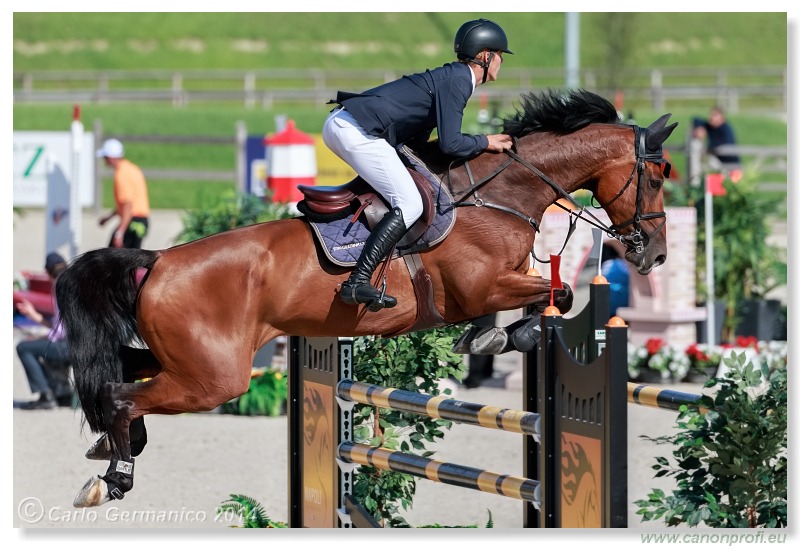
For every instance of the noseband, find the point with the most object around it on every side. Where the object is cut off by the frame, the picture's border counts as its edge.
(636, 240)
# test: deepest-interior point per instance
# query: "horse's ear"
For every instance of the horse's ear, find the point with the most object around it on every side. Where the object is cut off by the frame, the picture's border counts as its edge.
(658, 136)
(659, 124)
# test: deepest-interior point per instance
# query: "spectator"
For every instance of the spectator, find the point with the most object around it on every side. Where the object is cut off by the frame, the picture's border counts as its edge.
(46, 360)
(130, 196)
(719, 132)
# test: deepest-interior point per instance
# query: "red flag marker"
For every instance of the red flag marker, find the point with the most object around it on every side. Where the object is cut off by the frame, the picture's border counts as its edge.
(714, 184)
(555, 276)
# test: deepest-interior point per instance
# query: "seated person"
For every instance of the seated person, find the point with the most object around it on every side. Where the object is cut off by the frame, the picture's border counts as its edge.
(46, 360)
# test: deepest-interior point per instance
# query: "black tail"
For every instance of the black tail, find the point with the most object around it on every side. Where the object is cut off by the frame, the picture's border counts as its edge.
(96, 299)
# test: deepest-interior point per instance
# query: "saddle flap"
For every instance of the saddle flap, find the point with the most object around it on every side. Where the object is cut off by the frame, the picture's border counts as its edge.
(428, 212)
(426, 192)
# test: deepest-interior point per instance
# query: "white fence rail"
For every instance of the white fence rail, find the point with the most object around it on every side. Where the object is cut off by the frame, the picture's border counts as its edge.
(733, 88)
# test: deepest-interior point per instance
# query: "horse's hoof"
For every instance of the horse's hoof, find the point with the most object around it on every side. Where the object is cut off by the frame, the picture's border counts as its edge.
(462, 344)
(492, 342)
(94, 493)
(101, 450)
(466, 342)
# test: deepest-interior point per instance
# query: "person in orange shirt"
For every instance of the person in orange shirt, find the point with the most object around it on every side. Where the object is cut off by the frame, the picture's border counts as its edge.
(130, 196)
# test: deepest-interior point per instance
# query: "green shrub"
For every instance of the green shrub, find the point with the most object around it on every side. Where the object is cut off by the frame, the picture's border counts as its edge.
(248, 511)
(234, 210)
(266, 396)
(731, 461)
(746, 265)
(413, 362)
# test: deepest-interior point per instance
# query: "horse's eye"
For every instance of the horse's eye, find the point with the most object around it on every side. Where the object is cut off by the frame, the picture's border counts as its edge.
(656, 184)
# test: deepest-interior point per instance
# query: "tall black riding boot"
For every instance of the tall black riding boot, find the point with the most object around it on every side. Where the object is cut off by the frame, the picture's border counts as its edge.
(358, 289)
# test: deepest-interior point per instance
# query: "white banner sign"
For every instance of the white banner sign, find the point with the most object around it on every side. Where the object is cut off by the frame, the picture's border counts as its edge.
(58, 233)
(30, 170)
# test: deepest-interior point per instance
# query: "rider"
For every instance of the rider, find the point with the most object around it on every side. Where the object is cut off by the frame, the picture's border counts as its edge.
(365, 129)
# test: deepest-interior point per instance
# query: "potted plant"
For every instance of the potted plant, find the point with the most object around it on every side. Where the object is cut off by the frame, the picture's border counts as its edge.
(234, 209)
(746, 266)
(657, 362)
(704, 361)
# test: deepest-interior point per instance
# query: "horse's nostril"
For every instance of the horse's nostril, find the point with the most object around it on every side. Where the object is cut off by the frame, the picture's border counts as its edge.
(660, 259)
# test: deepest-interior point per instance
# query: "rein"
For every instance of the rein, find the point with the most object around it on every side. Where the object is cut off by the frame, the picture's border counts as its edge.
(637, 240)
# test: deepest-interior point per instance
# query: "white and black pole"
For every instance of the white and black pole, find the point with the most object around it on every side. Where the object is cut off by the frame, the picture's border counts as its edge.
(76, 212)
(714, 180)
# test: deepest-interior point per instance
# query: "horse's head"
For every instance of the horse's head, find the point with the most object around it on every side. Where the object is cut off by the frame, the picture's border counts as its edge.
(575, 139)
(632, 193)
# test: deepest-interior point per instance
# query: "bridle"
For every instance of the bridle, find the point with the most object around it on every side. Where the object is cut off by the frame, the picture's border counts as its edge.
(636, 240)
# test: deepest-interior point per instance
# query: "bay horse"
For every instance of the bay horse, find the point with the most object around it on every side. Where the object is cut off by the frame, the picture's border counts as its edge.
(205, 307)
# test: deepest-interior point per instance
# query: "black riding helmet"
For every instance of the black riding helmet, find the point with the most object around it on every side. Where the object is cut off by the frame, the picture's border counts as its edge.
(478, 35)
(475, 36)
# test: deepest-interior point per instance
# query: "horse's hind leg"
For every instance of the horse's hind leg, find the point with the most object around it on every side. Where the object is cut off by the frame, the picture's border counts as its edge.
(119, 401)
(164, 394)
(101, 449)
(136, 365)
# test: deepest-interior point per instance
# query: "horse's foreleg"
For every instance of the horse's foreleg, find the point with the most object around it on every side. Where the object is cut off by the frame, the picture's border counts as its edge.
(514, 290)
(521, 335)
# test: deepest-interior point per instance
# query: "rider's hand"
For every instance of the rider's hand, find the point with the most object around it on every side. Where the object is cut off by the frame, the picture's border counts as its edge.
(499, 143)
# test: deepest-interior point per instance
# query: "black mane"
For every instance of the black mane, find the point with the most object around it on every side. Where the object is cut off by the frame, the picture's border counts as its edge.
(559, 112)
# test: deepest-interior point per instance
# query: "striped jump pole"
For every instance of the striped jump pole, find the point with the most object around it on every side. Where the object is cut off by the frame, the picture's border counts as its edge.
(649, 396)
(443, 472)
(441, 407)
(573, 407)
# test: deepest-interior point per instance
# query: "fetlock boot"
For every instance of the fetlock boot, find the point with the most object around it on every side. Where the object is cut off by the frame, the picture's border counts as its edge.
(358, 289)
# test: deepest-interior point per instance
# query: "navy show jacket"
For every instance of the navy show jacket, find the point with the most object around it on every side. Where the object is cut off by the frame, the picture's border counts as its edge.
(408, 109)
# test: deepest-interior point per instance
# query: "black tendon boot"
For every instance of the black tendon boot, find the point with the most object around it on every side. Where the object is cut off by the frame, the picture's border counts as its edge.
(358, 289)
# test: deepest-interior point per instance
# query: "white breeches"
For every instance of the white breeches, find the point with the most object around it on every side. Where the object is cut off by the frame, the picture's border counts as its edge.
(374, 160)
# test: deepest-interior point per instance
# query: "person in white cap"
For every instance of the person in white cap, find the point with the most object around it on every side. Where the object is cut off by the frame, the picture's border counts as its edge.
(130, 196)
